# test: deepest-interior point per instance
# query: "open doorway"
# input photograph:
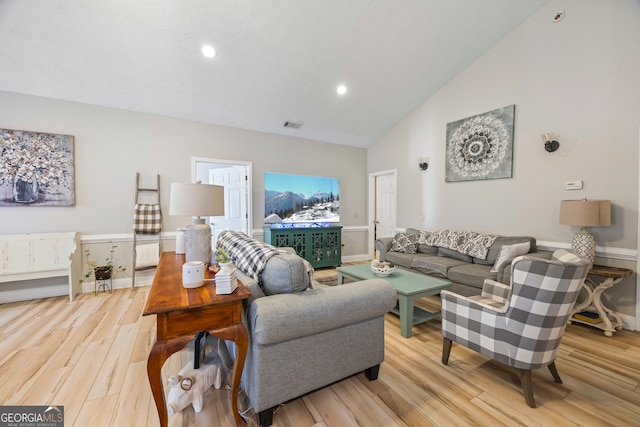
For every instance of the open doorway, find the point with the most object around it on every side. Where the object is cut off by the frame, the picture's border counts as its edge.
(235, 177)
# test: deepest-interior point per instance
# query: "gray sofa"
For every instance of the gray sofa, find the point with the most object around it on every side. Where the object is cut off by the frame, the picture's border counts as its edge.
(302, 339)
(466, 273)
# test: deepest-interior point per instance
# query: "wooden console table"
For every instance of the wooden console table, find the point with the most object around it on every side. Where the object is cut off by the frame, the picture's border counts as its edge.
(611, 275)
(181, 314)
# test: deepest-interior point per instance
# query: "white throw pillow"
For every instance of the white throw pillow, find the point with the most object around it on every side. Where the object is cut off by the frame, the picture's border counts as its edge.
(508, 253)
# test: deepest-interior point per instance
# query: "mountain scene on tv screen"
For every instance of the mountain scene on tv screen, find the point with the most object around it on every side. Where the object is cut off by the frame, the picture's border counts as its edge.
(286, 206)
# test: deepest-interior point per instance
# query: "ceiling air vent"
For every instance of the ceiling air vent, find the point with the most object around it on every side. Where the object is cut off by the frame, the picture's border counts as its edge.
(293, 125)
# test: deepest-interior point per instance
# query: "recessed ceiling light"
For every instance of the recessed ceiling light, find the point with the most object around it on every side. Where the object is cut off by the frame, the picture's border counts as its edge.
(208, 51)
(341, 90)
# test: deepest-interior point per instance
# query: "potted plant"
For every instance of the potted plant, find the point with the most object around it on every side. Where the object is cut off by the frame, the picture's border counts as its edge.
(226, 267)
(221, 256)
(102, 272)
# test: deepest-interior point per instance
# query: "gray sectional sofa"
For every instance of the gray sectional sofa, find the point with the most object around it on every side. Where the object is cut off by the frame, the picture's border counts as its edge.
(303, 338)
(466, 272)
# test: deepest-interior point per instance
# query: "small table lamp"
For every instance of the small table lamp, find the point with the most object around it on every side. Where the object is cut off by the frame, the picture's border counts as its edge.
(197, 200)
(585, 213)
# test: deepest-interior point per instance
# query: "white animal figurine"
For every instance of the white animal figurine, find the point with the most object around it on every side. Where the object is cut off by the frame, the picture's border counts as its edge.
(189, 386)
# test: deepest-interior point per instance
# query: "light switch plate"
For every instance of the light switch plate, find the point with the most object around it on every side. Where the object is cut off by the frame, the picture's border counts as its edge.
(573, 185)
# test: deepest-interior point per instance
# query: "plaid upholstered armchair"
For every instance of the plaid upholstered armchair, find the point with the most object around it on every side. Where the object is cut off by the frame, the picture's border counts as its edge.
(519, 325)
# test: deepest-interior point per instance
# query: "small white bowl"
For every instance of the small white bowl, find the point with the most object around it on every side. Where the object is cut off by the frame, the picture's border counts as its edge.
(382, 271)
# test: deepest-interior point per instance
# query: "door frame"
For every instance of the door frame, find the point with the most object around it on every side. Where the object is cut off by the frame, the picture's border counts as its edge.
(637, 325)
(248, 167)
(371, 245)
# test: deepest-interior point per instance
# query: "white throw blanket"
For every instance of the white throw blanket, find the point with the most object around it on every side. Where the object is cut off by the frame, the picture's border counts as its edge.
(466, 242)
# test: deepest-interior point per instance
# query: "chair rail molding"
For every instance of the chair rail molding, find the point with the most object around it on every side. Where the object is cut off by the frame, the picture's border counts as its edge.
(601, 251)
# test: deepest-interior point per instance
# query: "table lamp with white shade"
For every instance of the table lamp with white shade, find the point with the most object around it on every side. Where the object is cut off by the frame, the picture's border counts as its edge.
(585, 213)
(197, 200)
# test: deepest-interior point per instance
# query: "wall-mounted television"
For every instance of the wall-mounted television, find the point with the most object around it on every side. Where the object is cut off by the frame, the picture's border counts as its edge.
(300, 199)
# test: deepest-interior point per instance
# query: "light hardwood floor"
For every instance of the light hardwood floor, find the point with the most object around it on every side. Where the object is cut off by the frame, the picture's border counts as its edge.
(90, 356)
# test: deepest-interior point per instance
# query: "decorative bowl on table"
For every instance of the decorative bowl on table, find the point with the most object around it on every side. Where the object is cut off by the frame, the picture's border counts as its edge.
(382, 268)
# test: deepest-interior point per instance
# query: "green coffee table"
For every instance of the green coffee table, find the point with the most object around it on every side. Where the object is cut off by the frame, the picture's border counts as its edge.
(409, 285)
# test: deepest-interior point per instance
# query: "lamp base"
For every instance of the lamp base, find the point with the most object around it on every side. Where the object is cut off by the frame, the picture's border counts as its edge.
(198, 242)
(584, 244)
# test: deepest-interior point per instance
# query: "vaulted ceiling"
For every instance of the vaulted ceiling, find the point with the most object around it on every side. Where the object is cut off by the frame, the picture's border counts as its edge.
(276, 60)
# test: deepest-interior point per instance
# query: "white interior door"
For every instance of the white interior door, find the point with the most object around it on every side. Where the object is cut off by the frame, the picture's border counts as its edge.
(234, 181)
(382, 206)
(385, 211)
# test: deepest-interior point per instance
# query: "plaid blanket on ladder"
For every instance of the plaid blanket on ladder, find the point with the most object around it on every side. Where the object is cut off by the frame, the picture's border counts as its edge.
(249, 255)
(147, 219)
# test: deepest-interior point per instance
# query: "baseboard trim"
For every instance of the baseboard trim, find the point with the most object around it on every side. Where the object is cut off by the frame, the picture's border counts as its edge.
(628, 322)
(355, 258)
(143, 278)
(34, 293)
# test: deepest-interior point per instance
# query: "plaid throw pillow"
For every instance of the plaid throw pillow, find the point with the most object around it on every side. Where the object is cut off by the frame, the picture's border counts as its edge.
(405, 242)
(147, 219)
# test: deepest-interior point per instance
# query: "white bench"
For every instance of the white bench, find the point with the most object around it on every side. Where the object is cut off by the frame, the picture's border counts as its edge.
(30, 257)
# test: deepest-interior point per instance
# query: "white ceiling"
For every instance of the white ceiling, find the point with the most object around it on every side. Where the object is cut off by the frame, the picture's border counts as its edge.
(277, 60)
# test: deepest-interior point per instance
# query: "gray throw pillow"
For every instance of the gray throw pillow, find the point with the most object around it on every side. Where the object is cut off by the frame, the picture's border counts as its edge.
(284, 273)
(426, 249)
(450, 253)
(508, 253)
(423, 247)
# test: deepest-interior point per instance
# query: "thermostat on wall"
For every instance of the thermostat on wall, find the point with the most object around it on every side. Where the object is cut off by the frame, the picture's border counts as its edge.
(573, 185)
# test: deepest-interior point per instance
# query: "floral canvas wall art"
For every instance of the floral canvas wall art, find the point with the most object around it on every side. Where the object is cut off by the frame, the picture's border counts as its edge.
(36, 169)
(480, 147)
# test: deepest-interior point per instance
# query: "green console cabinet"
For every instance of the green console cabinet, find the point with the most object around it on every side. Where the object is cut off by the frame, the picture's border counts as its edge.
(321, 246)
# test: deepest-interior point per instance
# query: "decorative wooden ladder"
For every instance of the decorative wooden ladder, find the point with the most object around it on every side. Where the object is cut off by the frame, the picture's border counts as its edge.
(147, 221)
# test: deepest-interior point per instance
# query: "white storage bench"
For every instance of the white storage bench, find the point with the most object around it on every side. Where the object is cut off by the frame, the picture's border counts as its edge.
(29, 262)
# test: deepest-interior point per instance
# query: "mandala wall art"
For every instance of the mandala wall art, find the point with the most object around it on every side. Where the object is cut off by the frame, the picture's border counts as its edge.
(36, 169)
(480, 147)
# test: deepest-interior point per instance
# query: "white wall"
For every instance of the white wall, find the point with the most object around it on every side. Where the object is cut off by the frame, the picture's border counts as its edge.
(579, 78)
(112, 145)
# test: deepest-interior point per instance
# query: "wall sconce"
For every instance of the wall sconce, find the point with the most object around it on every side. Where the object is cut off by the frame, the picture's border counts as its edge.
(549, 143)
(423, 164)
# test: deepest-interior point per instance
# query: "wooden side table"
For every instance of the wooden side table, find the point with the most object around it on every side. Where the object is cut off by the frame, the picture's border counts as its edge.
(181, 314)
(610, 321)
